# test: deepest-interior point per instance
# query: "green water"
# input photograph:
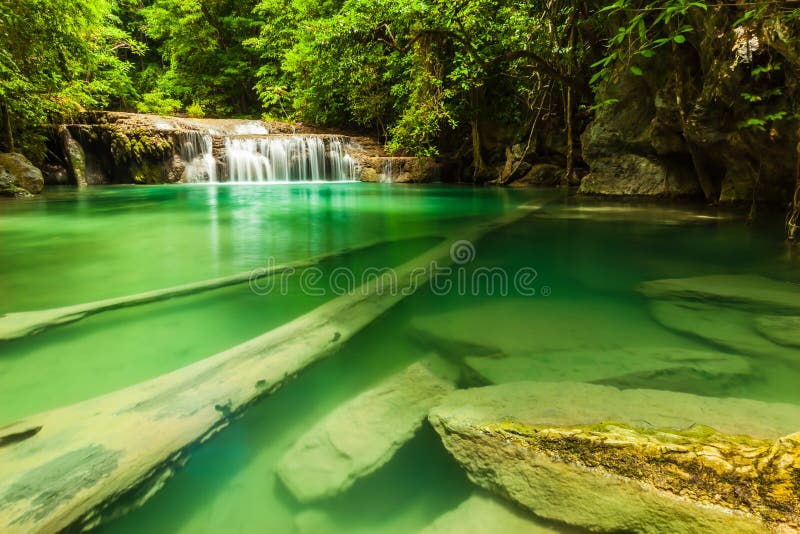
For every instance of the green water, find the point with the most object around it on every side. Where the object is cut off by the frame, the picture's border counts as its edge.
(68, 247)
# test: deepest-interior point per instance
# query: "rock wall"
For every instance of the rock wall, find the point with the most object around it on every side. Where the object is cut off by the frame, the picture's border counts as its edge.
(687, 128)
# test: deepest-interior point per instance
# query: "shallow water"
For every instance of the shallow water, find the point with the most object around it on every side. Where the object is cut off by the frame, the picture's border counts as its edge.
(68, 247)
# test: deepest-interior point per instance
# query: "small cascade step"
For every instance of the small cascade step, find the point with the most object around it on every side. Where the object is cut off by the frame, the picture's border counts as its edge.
(278, 158)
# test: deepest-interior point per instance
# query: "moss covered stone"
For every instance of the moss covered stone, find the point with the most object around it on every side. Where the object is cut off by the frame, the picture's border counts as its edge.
(634, 461)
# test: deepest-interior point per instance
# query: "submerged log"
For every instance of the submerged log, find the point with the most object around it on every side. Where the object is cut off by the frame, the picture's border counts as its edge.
(76, 466)
(21, 324)
(629, 461)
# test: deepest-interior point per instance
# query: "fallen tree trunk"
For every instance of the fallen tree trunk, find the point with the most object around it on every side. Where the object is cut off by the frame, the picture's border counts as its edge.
(74, 467)
(21, 324)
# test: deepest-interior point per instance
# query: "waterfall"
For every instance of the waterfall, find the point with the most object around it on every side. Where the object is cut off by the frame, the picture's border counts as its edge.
(197, 152)
(342, 166)
(261, 157)
(284, 159)
(388, 171)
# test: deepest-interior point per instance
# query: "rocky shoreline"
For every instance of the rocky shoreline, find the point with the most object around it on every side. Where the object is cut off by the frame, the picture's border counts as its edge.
(630, 151)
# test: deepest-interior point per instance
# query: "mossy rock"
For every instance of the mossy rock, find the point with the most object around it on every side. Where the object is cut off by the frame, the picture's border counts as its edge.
(137, 145)
(18, 176)
(634, 461)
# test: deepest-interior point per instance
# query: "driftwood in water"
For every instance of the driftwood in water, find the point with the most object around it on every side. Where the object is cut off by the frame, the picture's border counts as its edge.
(21, 324)
(73, 467)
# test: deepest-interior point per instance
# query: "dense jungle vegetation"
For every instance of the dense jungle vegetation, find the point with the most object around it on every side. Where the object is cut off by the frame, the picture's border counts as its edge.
(425, 75)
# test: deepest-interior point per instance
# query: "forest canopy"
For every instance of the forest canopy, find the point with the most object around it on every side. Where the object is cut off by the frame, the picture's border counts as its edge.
(421, 74)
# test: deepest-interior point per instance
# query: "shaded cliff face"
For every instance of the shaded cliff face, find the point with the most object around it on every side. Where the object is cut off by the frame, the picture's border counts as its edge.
(106, 147)
(712, 118)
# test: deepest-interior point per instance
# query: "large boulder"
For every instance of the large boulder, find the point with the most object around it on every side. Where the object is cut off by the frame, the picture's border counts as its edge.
(18, 176)
(629, 461)
(636, 175)
(631, 145)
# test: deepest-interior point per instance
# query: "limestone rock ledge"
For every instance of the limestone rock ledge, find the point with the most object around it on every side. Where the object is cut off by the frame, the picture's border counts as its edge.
(395, 169)
(670, 462)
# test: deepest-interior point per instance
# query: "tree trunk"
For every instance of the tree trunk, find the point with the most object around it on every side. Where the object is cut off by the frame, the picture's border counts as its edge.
(478, 166)
(570, 170)
(793, 220)
(8, 133)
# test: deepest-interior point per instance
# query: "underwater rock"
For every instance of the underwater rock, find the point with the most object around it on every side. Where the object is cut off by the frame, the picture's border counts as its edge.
(315, 521)
(783, 330)
(632, 460)
(633, 367)
(363, 434)
(18, 176)
(748, 291)
(524, 326)
(723, 327)
(482, 513)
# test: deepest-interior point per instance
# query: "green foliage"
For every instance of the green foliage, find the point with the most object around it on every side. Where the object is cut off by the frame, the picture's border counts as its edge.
(195, 111)
(158, 103)
(58, 57)
(415, 70)
(761, 123)
(642, 28)
(205, 58)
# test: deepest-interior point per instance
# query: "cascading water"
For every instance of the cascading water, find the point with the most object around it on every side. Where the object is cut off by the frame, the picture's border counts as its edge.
(282, 159)
(342, 165)
(197, 152)
(256, 156)
(388, 171)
